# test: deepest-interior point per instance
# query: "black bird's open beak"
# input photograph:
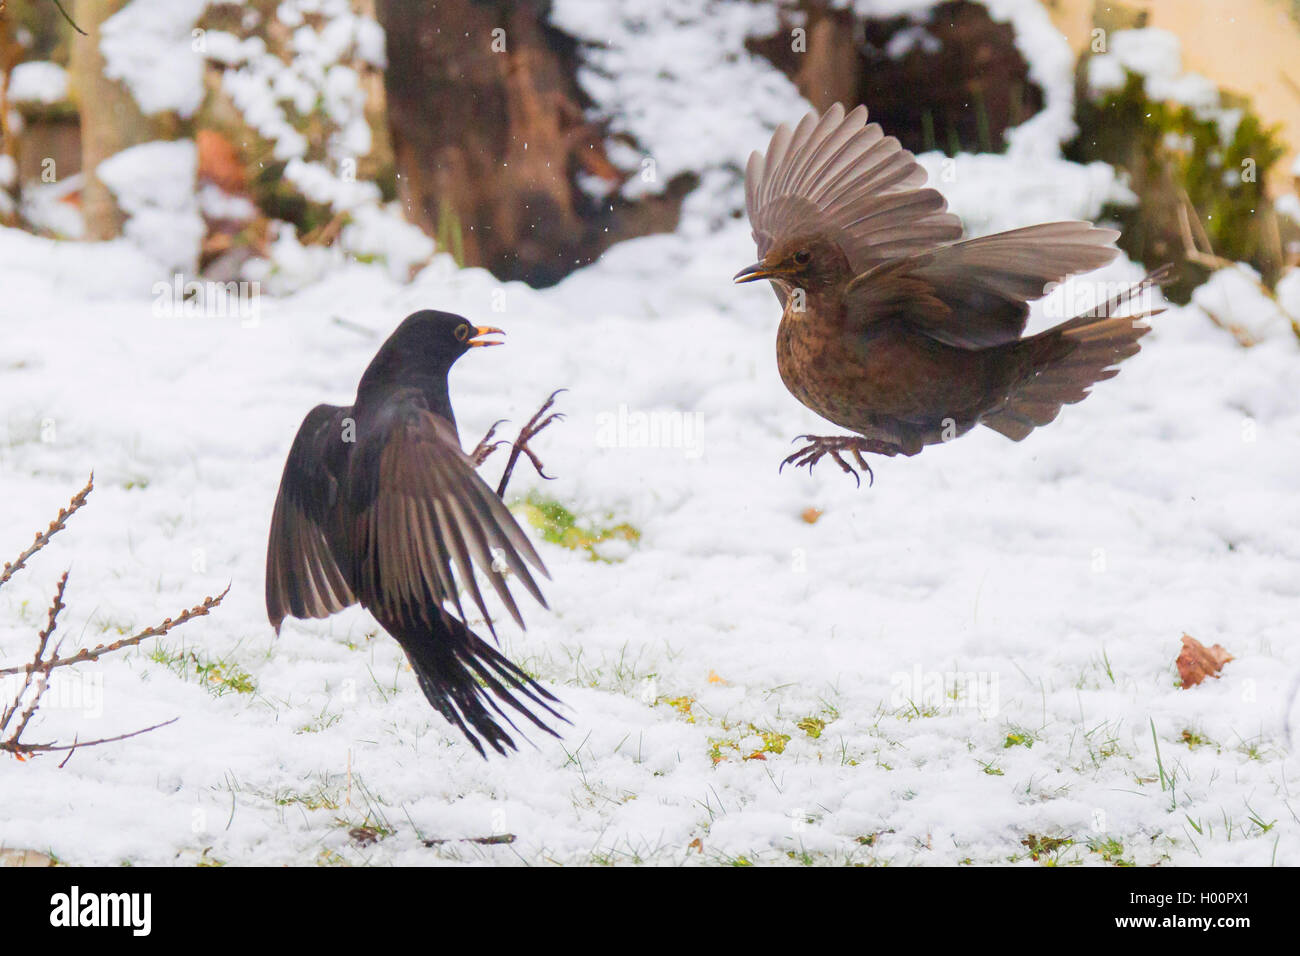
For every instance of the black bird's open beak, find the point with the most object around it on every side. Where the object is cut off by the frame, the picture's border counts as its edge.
(753, 273)
(475, 342)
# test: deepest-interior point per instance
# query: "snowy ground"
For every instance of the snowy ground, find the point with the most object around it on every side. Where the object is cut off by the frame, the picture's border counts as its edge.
(1057, 574)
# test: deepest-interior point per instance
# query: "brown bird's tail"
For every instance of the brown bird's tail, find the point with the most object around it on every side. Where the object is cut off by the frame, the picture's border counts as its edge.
(456, 671)
(1067, 360)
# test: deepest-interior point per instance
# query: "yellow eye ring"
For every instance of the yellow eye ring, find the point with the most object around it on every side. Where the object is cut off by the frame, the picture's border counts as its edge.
(462, 333)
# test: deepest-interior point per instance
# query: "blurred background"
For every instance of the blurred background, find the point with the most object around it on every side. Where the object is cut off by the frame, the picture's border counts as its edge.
(265, 140)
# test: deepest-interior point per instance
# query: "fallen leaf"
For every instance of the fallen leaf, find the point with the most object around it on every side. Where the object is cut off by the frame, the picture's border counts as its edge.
(715, 679)
(697, 844)
(1196, 661)
(219, 162)
(811, 515)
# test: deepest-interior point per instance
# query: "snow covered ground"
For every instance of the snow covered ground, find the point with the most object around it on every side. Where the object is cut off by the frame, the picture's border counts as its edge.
(967, 662)
(1056, 576)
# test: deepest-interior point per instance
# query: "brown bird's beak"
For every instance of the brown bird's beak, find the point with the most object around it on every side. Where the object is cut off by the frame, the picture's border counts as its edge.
(753, 273)
(474, 341)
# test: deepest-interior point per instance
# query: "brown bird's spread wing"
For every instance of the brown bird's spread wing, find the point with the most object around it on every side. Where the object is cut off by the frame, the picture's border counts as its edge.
(421, 509)
(303, 577)
(975, 293)
(842, 176)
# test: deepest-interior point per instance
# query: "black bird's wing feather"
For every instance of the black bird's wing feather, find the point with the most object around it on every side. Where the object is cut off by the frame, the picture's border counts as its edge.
(422, 519)
(392, 514)
(303, 577)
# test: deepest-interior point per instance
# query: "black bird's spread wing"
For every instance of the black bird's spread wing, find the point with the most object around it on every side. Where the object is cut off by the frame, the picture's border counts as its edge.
(419, 509)
(303, 578)
(975, 293)
(843, 177)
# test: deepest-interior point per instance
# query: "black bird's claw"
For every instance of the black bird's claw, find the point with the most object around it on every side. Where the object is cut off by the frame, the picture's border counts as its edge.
(530, 430)
(820, 446)
(487, 446)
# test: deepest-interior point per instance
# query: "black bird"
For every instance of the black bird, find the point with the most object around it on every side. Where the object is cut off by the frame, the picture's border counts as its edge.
(377, 504)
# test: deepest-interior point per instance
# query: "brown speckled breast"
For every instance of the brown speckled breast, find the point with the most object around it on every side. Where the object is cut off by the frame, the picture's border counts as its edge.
(898, 386)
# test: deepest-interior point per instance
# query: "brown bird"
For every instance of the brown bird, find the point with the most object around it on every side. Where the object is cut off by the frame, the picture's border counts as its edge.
(378, 504)
(891, 327)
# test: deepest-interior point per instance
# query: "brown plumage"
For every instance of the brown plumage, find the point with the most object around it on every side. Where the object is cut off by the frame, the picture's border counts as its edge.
(894, 329)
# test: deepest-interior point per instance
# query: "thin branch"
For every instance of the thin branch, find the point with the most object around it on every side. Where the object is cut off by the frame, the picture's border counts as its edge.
(43, 538)
(36, 674)
(99, 650)
(17, 748)
(69, 19)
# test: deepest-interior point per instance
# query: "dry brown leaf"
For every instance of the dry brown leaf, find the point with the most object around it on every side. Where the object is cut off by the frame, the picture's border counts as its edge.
(219, 162)
(697, 844)
(1196, 661)
(811, 515)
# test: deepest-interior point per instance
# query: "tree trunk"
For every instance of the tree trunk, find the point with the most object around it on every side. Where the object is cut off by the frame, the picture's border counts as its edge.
(110, 119)
(488, 130)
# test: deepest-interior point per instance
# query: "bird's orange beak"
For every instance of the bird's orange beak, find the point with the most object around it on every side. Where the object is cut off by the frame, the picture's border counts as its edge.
(752, 273)
(474, 341)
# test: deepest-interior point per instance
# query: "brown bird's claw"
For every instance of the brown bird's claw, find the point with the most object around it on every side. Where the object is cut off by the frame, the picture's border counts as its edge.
(530, 430)
(487, 446)
(837, 445)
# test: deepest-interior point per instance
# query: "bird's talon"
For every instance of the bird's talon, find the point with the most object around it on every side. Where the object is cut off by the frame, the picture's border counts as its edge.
(836, 447)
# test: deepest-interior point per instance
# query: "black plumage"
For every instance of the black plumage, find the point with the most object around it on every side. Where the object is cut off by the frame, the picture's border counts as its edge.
(379, 505)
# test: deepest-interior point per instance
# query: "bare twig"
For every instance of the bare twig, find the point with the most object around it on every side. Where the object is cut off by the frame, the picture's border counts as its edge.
(18, 748)
(69, 19)
(36, 673)
(43, 537)
(99, 650)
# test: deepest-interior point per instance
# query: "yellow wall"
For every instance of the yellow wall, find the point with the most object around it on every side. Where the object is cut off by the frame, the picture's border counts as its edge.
(1250, 47)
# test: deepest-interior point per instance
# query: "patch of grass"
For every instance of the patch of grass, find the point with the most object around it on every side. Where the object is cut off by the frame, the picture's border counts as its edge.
(911, 711)
(558, 525)
(218, 675)
(317, 799)
(1019, 737)
(682, 705)
(1195, 739)
(367, 834)
(812, 726)
(1044, 849)
(322, 721)
(1110, 850)
(717, 745)
(1102, 742)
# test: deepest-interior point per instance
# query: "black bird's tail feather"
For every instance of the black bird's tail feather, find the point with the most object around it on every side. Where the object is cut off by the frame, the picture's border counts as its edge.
(464, 677)
(1067, 360)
